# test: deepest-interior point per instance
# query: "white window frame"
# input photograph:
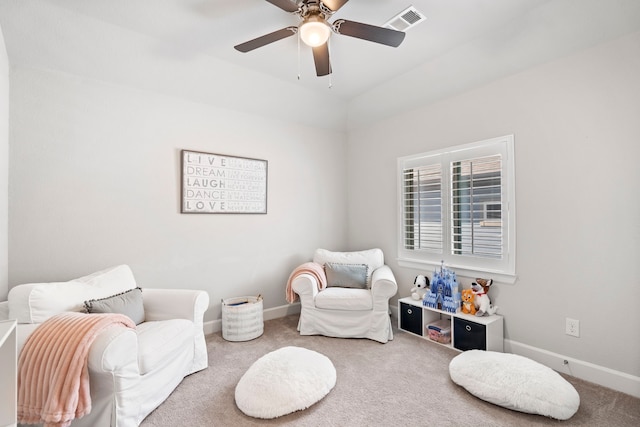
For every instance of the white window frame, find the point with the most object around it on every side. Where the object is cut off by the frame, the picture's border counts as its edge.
(503, 270)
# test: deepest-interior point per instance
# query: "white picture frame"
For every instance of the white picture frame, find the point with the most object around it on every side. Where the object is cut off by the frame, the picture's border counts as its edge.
(222, 184)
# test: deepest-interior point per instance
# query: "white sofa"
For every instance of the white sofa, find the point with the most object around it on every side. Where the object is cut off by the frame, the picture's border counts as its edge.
(347, 312)
(131, 371)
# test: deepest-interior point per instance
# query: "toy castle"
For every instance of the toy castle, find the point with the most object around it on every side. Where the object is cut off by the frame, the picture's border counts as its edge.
(444, 293)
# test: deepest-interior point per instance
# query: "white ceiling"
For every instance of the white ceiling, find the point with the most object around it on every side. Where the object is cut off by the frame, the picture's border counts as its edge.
(462, 43)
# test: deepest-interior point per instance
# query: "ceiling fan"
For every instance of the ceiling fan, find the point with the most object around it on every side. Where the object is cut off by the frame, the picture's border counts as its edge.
(315, 30)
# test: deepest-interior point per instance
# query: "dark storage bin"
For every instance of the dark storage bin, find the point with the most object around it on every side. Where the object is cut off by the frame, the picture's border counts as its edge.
(468, 335)
(411, 318)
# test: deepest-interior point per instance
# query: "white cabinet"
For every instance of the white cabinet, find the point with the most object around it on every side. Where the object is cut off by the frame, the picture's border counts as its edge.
(8, 379)
(467, 332)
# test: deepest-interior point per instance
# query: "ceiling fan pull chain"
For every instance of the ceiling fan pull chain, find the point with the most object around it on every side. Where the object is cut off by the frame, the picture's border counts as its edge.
(330, 73)
(298, 55)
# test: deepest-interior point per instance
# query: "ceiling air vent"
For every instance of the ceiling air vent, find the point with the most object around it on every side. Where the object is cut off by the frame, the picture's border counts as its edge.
(408, 18)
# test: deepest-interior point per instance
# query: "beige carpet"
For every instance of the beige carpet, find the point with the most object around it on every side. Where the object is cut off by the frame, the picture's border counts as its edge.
(403, 383)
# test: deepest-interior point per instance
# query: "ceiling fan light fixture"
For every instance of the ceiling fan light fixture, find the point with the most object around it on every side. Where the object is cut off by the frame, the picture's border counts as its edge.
(314, 31)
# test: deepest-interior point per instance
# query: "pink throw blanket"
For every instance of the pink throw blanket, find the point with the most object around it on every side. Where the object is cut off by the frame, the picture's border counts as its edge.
(315, 269)
(53, 374)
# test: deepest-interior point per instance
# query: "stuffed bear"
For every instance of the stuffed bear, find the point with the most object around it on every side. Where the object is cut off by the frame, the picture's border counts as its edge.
(468, 298)
(421, 287)
(482, 301)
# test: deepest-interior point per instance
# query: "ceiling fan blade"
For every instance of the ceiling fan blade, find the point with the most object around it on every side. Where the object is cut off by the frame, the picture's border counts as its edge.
(266, 39)
(334, 5)
(287, 5)
(368, 32)
(321, 58)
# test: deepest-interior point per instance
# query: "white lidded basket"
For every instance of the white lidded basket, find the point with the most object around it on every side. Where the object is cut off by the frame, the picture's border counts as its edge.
(242, 318)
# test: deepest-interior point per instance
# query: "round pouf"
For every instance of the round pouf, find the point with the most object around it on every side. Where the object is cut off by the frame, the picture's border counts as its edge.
(286, 380)
(515, 382)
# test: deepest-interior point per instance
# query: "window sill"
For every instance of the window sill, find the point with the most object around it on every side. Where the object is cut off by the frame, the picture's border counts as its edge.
(472, 273)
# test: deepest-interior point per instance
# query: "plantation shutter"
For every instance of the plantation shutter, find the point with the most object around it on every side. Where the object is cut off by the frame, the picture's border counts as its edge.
(476, 207)
(422, 208)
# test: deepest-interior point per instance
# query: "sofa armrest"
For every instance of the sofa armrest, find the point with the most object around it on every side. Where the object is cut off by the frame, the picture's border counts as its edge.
(383, 287)
(306, 286)
(165, 304)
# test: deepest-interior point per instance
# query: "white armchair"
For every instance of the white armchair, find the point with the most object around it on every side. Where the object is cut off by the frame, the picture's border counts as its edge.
(346, 312)
(131, 371)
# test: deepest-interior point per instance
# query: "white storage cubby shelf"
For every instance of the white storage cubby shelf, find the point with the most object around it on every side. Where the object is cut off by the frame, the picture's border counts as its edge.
(467, 332)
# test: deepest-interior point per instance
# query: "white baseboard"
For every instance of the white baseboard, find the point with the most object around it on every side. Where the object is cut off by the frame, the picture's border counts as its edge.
(587, 371)
(213, 326)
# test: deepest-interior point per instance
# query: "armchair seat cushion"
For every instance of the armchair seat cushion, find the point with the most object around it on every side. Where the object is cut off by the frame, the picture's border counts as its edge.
(344, 299)
(161, 341)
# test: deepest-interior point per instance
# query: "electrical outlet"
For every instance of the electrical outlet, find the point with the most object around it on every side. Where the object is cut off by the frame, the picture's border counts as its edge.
(572, 327)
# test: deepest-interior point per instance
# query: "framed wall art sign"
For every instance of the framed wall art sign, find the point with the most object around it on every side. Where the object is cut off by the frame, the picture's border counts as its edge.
(218, 183)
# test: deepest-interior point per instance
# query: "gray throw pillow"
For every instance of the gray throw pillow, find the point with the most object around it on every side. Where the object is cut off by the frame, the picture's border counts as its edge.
(346, 275)
(128, 303)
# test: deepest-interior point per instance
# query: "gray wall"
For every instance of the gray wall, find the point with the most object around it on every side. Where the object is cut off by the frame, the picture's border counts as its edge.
(4, 168)
(576, 131)
(95, 182)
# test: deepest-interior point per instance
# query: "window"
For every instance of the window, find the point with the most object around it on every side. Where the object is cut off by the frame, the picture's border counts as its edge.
(458, 205)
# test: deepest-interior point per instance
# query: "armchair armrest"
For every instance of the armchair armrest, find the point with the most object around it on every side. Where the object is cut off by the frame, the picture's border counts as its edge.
(165, 304)
(383, 287)
(306, 286)
(115, 377)
(115, 350)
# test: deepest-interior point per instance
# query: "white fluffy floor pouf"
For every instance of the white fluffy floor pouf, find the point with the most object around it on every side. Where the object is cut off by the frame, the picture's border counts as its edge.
(286, 380)
(515, 382)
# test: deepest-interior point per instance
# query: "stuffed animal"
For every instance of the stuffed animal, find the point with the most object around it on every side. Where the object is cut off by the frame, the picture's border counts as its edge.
(421, 287)
(482, 301)
(468, 298)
